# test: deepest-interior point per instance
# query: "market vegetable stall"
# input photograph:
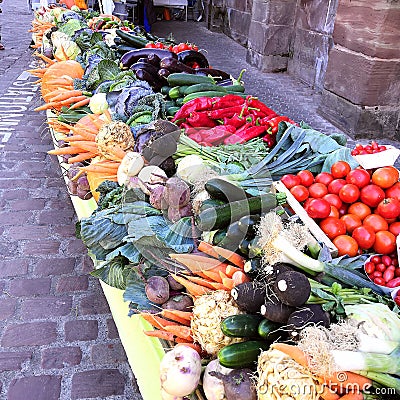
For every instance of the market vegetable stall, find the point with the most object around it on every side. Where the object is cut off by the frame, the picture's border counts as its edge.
(221, 231)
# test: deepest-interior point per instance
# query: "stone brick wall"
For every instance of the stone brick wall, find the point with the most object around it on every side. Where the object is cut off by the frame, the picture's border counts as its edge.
(362, 85)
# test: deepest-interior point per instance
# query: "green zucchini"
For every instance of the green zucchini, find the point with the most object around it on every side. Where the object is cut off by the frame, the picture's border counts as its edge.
(218, 236)
(241, 325)
(221, 189)
(233, 237)
(211, 203)
(203, 87)
(170, 103)
(165, 89)
(174, 93)
(182, 79)
(221, 216)
(182, 90)
(209, 93)
(179, 101)
(241, 355)
(234, 88)
(171, 111)
(268, 330)
(133, 40)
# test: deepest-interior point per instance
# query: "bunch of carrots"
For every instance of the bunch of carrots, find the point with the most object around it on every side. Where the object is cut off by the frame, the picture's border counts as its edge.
(212, 268)
(64, 97)
(38, 29)
(338, 386)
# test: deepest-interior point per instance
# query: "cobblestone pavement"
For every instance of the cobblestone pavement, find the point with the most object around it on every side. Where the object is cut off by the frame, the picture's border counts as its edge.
(57, 336)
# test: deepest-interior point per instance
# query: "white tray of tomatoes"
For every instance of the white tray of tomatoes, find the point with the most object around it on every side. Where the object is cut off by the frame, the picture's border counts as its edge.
(357, 209)
(374, 155)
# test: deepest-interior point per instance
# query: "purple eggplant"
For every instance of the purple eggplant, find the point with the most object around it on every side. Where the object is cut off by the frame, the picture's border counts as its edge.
(173, 65)
(164, 72)
(154, 59)
(132, 56)
(192, 56)
(144, 65)
(155, 81)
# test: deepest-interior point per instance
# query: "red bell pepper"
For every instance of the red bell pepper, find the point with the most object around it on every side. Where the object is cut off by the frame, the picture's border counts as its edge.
(274, 122)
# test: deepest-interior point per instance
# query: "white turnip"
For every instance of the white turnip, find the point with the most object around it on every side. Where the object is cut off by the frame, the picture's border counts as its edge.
(180, 371)
(214, 387)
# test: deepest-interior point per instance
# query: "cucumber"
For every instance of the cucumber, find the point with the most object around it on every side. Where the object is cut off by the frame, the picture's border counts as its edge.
(174, 93)
(203, 87)
(211, 203)
(221, 189)
(209, 93)
(241, 325)
(133, 40)
(171, 111)
(268, 330)
(182, 79)
(234, 88)
(241, 355)
(233, 237)
(179, 101)
(182, 89)
(165, 89)
(221, 216)
(170, 103)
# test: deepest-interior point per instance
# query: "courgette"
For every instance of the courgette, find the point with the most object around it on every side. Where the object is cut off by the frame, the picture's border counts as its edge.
(171, 111)
(268, 330)
(241, 355)
(233, 237)
(234, 88)
(221, 216)
(241, 325)
(248, 224)
(170, 103)
(133, 40)
(182, 90)
(218, 236)
(179, 101)
(209, 93)
(182, 79)
(174, 93)
(165, 89)
(203, 87)
(211, 203)
(221, 189)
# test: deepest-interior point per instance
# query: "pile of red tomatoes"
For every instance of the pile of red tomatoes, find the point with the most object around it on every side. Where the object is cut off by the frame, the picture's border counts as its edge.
(357, 209)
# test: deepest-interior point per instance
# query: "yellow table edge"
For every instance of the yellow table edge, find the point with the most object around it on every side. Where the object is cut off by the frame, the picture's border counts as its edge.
(144, 353)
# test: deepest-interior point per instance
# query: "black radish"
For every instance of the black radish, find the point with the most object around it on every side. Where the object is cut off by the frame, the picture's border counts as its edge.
(249, 296)
(275, 311)
(292, 288)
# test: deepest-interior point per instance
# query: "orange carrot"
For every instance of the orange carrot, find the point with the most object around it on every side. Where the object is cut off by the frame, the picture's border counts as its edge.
(327, 394)
(161, 335)
(46, 106)
(294, 352)
(97, 168)
(239, 277)
(95, 121)
(80, 103)
(107, 114)
(230, 270)
(219, 286)
(87, 155)
(74, 138)
(66, 94)
(231, 256)
(183, 317)
(222, 275)
(65, 150)
(347, 379)
(207, 248)
(180, 331)
(200, 281)
(194, 346)
(80, 131)
(352, 396)
(215, 276)
(228, 283)
(192, 288)
(73, 99)
(156, 321)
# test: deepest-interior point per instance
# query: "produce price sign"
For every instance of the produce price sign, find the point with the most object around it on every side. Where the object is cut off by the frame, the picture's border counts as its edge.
(225, 236)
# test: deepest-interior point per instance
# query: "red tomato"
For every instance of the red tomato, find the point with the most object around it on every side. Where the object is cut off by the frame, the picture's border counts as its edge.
(381, 267)
(369, 267)
(376, 222)
(351, 221)
(333, 227)
(317, 190)
(336, 185)
(150, 45)
(334, 212)
(340, 169)
(290, 180)
(346, 245)
(385, 177)
(333, 200)
(359, 209)
(349, 193)
(324, 177)
(183, 47)
(318, 208)
(379, 281)
(376, 259)
(393, 191)
(299, 192)
(358, 177)
(306, 176)
(385, 242)
(387, 260)
(365, 236)
(394, 227)
(389, 208)
(372, 195)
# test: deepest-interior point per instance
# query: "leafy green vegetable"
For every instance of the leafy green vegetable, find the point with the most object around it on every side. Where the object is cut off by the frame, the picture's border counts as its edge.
(105, 70)
(71, 26)
(114, 273)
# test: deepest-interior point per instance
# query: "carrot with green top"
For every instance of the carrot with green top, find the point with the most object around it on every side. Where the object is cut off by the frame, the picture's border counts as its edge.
(192, 288)
(183, 317)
